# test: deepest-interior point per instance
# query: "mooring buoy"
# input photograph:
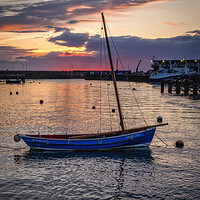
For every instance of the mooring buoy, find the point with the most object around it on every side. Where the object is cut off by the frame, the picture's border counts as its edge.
(179, 144)
(17, 138)
(159, 119)
(41, 101)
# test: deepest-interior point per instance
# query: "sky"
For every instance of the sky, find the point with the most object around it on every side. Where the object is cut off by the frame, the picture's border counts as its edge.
(66, 34)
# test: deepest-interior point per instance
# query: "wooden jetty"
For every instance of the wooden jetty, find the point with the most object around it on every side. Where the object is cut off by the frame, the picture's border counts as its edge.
(186, 87)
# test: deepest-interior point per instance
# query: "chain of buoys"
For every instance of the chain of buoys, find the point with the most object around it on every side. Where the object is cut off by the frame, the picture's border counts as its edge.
(16, 93)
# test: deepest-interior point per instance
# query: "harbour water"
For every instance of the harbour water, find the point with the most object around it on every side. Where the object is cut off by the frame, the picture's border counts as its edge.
(158, 172)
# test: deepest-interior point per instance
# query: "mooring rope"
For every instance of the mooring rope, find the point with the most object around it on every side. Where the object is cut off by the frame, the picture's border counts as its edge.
(161, 140)
(127, 79)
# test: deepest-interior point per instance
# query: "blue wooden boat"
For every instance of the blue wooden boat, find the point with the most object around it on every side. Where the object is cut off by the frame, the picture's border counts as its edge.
(122, 139)
(89, 142)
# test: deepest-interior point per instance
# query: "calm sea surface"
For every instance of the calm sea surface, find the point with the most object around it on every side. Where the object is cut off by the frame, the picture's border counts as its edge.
(157, 172)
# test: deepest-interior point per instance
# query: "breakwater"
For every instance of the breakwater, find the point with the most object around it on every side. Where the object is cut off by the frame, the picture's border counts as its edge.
(76, 74)
(119, 77)
(43, 74)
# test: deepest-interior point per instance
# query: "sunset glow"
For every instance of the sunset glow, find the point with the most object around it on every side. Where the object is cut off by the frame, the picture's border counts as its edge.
(47, 34)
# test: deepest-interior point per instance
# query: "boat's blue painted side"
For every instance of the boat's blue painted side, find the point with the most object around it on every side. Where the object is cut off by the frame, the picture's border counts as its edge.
(142, 138)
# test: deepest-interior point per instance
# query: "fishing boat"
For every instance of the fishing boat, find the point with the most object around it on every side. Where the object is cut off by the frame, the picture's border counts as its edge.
(13, 80)
(121, 139)
(173, 69)
(164, 74)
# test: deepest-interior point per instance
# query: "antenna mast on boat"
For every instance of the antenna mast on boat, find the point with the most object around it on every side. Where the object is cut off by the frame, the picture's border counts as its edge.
(113, 75)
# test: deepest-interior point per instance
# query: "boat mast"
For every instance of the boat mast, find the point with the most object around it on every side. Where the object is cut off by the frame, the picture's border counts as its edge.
(113, 75)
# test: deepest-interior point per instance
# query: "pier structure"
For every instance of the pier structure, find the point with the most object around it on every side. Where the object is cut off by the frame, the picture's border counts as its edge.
(186, 87)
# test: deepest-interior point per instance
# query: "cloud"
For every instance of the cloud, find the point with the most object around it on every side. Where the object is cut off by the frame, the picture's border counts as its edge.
(51, 13)
(12, 56)
(196, 32)
(70, 39)
(73, 22)
(57, 29)
(10, 52)
(130, 48)
(28, 31)
(173, 23)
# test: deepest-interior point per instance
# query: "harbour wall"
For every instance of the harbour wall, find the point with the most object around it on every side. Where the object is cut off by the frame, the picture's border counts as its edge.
(72, 75)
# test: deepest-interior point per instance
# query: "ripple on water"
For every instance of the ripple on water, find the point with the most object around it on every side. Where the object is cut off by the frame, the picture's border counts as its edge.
(155, 173)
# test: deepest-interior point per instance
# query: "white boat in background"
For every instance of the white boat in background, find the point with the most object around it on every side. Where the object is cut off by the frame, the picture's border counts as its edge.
(173, 69)
(161, 74)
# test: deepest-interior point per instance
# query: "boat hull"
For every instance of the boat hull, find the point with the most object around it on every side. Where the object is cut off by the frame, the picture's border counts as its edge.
(13, 81)
(130, 140)
(155, 79)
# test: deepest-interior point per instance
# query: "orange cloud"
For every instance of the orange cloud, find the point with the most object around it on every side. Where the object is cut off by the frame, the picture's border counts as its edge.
(173, 24)
(19, 27)
(73, 54)
(71, 9)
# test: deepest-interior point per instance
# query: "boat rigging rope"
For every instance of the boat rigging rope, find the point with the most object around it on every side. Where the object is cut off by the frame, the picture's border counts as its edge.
(127, 78)
(103, 51)
(100, 79)
(132, 90)
(130, 87)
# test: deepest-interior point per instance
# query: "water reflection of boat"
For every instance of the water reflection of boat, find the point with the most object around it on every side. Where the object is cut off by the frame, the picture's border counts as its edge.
(124, 138)
(138, 155)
